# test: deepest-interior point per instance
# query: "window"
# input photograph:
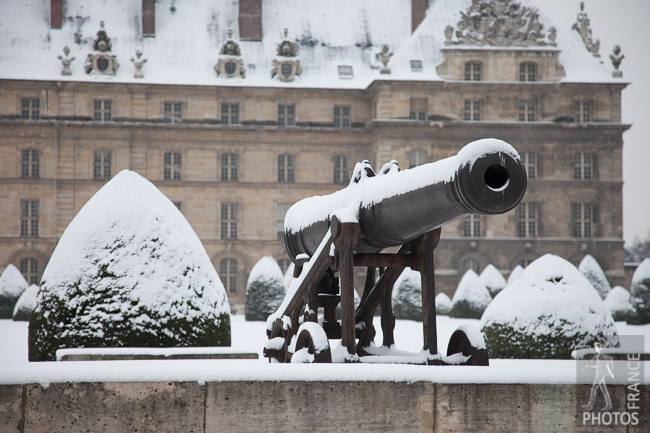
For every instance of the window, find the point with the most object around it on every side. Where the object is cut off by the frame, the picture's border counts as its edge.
(172, 167)
(286, 168)
(417, 157)
(346, 72)
(102, 110)
(527, 71)
(29, 218)
(228, 220)
(583, 214)
(29, 269)
(286, 114)
(530, 163)
(472, 110)
(583, 166)
(230, 114)
(472, 226)
(281, 211)
(173, 112)
(102, 164)
(30, 166)
(30, 108)
(527, 110)
(229, 166)
(473, 71)
(527, 224)
(228, 274)
(342, 116)
(416, 65)
(284, 265)
(341, 169)
(419, 108)
(583, 111)
(472, 264)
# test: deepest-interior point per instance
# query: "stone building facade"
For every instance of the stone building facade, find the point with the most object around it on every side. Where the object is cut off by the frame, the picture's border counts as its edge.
(234, 157)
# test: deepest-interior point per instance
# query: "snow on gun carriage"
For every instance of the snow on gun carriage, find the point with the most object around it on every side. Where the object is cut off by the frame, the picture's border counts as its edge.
(327, 236)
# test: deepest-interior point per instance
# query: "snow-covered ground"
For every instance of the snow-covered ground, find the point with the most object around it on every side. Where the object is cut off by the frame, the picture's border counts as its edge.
(250, 337)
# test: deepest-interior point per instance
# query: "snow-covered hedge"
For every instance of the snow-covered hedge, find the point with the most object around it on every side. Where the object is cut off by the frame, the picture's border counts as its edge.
(516, 273)
(618, 303)
(264, 290)
(443, 304)
(640, 294)
(493, 280)
(594, 273)
(25, 304)
(128, 271)
(549, 311)
(471, 297)
(407, 296)
(12, 285)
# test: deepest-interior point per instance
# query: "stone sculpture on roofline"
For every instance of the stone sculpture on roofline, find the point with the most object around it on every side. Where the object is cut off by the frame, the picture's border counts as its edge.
(616, 57)
(101, 61)
(328, 236)
(66, 61)
(230, 64)
(583, 27)
(288, 67)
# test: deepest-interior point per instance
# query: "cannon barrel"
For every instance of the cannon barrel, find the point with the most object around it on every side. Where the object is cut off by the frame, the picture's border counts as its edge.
(486, 177)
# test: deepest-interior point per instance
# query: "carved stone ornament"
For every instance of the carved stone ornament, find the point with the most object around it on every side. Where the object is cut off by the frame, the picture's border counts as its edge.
(100, 62)
(616, 57)
(286, 69)
(138, 62)
(229, 64)
(583, 27)
(66, 61)
(500, 23)
(384, 56)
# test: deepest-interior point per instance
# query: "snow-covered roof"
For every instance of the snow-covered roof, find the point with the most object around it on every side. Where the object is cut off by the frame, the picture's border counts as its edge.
(190, 34)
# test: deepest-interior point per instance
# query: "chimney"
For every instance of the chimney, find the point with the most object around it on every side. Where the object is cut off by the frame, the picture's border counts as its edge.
(250, 20)
(56, 14)
(148, 18)
(418, 11)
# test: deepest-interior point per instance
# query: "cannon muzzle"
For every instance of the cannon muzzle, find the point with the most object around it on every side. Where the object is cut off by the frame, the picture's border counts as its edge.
(486, 177)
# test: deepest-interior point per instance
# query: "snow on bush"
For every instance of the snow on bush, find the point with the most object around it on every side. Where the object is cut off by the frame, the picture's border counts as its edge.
(493, 280)
(471, 297)
(618, 303)
(407, 296)
(549, 311)
(443, 304)
(640, 294)
(12, 285)
(288, 275)
(516, 273)
(265, 289)
(25, 304)
(594, 273)
(128, 271)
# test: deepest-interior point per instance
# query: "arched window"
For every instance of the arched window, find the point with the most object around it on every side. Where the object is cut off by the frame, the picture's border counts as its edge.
(473, 71)
(29, 269)
(472, 264)
(528, 71)
(417, 157)
(228, 274)
(341, 169)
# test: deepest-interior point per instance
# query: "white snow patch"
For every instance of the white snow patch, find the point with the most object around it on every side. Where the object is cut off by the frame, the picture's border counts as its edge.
(642, 272)
(472, 290)
(618, 301)
(267, 270)
(27, 300)
(493, 280)
(516, 273)
(443, 303)
(12, 282)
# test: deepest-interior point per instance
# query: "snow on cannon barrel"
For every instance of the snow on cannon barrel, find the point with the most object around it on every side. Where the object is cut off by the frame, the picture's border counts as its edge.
(394, 207)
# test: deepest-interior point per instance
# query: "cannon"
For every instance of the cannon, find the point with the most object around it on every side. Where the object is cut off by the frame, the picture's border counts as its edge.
(327, 236)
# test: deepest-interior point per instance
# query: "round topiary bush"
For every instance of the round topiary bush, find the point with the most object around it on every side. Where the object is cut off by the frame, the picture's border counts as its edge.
(443, 304)
(640, 294)
(516, 273)
(128, 271)
(618, 303)
(407, 296)
(549, 311)
(25, 305)
(493, 280)
(264, 290)
(12, 285)
(590, 268)
(471, 297)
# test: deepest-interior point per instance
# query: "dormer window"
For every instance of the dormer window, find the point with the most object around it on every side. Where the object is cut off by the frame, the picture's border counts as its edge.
(346, 72)
(528, 71)
(473, 71)
(416, 65)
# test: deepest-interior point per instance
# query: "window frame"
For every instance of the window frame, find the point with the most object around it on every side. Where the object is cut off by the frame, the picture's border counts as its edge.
(527, 220)
(583, 166)
(528, 72)
(529, 159)
(583, 110)
(172, 112)
(341, 169)
(229, 220)
(527, 110)
(30, 163)
(30, 108)
(472, 226)
(582, 216)
(29, 269)
(228, 274)
(473, 110)
(280, 212)
(286, 168)
(102, 167)
(342, 115)
(417, 157)
(286, 115)
(230, 113)
(418, 108)
(29, 218)
(172, 166)
(473, 70)
(229, 167)
(102, 110)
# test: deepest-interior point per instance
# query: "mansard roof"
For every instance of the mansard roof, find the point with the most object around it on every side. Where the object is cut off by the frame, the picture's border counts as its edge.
(190, 34)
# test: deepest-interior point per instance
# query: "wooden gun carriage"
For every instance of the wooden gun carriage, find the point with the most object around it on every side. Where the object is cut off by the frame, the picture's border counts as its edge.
(328, 236)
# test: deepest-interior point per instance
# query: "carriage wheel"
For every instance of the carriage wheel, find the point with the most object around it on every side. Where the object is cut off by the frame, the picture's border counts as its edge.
(277, 354)
(313, 338)
(474, 348)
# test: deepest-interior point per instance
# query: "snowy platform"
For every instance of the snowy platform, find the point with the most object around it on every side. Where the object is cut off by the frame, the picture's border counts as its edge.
(134, 353)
